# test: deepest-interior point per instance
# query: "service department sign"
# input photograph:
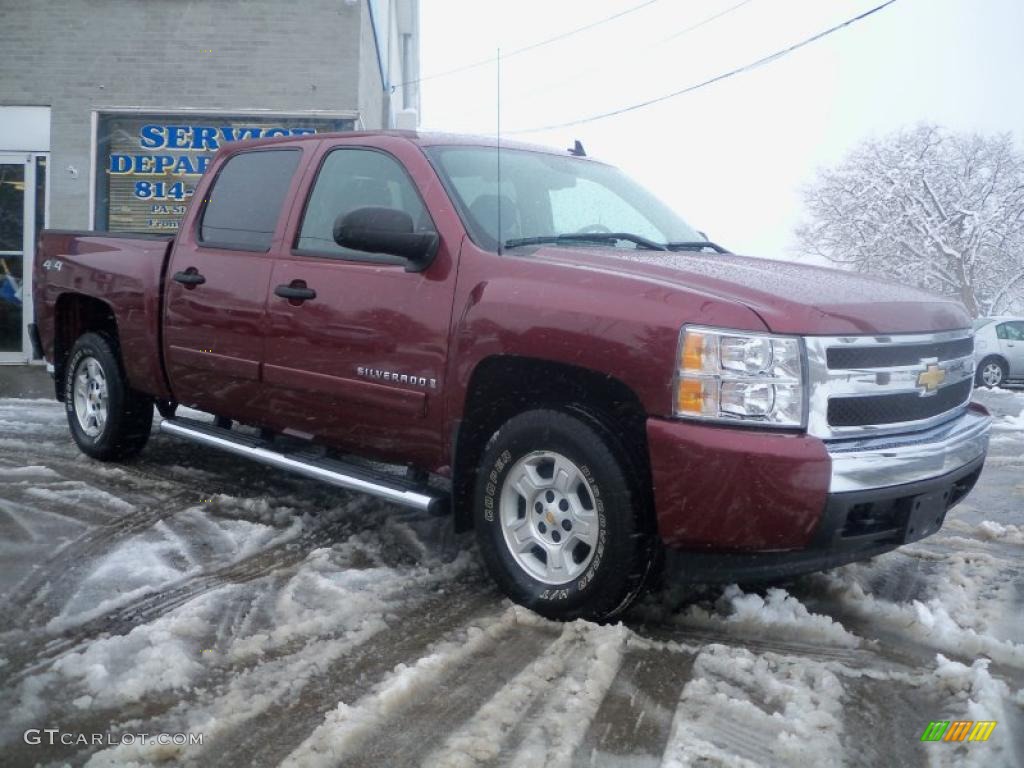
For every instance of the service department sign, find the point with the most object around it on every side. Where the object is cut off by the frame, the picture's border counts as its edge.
(148, 165)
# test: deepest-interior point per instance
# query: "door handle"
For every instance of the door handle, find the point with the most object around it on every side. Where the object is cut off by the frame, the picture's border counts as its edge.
(296, 291)
(189, 278)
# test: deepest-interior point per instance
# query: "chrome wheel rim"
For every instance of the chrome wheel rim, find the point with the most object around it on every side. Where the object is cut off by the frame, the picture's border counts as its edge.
(992, 374)
(548, 517)
(90, 396)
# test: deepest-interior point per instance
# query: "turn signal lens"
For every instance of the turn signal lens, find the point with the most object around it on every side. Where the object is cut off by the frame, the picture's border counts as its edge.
(735, 376)
(693, 352)
(691, 396)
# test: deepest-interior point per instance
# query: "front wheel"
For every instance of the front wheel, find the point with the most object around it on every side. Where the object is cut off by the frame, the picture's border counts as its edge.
(108, 419)
(557, 519)
(991, 373)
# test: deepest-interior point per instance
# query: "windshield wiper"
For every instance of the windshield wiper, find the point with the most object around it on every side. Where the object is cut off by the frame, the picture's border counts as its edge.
(695, 245)
(585, 237)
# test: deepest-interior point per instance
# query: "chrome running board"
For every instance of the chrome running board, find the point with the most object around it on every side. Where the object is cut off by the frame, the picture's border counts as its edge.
(397, 490)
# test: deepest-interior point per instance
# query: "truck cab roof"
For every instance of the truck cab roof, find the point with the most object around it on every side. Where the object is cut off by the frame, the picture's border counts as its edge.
(421, 138)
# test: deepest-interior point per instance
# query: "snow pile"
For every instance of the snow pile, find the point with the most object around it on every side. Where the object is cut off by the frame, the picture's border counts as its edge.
(746, 710)
(962, 619)
(779, 613)
(74, 494)
(1011, 422)
(1007, 534)
(259, 509)
(977, 696)
(112, 671)
(31, 471)
(161, 656)
(1009, 426)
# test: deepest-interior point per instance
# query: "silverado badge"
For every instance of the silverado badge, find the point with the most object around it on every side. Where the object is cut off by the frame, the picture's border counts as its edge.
(424, 382)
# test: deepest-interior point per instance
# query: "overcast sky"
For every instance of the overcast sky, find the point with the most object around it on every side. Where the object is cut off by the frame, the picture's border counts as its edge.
(732, 157)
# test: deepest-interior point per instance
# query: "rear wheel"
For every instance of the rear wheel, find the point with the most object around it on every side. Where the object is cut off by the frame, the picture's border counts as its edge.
(557, 519)
(991, 373)
(108, 420)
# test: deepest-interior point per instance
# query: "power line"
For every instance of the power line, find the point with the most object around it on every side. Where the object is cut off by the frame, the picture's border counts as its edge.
(717, 78)
(525, 48)
(648, 52)
(702, 22)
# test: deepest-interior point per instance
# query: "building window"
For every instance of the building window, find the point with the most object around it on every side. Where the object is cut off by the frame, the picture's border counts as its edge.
(148, 164)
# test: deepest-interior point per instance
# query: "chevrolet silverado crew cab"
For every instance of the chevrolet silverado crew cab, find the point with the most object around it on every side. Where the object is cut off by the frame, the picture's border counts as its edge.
(541, 347)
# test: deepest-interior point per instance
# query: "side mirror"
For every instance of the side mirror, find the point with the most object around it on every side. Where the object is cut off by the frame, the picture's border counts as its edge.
(388, 231)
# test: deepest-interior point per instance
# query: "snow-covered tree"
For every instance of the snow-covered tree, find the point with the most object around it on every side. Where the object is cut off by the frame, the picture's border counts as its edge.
(940, 210)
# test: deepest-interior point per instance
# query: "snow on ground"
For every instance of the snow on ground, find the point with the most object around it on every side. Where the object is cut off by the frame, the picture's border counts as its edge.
(776, 612)
(294, 624)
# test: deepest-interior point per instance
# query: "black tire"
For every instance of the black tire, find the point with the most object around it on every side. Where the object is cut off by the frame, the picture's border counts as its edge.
(623, 551)
(129, 414)
(991, 363)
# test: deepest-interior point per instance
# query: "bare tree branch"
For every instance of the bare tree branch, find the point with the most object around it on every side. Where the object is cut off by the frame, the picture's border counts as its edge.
(940, 210)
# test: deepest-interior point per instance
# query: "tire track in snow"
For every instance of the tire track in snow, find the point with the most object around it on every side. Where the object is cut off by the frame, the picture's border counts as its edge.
(743, 709)
(282, 553)
(469, 681)
(880, 708)
(634, 722)
(419, 707)
(63, 570)
(553, 728)
(691, 639)
(271, 734)
(482, 736)
(255, 707)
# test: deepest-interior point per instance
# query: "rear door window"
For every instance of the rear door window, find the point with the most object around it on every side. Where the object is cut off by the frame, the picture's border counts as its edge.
(246, 200)
(1012, 331)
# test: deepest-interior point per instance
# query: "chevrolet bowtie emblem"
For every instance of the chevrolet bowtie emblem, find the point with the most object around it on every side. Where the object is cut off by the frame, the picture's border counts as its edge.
(931, 377)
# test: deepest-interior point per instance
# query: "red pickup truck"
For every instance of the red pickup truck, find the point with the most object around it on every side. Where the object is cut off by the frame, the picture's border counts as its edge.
(528, 339)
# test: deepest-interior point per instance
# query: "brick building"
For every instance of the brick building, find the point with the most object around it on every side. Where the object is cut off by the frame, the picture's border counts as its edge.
(110, 109)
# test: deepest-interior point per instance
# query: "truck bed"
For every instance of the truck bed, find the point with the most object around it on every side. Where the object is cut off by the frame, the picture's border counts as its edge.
(80, 271)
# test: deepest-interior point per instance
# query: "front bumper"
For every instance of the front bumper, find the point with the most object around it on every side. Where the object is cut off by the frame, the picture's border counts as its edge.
(859, 465)
(739, 504)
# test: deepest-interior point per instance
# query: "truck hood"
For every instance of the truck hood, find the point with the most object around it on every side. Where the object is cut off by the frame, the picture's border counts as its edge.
(789, 297)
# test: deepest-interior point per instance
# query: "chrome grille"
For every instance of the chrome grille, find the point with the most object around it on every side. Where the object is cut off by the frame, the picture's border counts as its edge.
(901, 354)
(887, 384)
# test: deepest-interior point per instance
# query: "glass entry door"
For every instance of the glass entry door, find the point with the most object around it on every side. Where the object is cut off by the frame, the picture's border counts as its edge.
(22, 205)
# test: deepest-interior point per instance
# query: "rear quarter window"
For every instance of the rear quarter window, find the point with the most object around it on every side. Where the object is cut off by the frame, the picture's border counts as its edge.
(246, 199)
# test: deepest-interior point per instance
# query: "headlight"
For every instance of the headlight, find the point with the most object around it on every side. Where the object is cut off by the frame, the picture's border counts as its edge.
(733, 376)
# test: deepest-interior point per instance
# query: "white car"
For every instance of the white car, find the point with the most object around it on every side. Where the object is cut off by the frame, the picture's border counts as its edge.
(999, 351)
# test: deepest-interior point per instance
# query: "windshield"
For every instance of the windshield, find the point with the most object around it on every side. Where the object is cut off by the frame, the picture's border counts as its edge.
(548, 196)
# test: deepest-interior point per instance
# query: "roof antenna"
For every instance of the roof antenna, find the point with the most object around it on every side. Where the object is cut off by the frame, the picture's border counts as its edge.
(500, 238)
(577, 149)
